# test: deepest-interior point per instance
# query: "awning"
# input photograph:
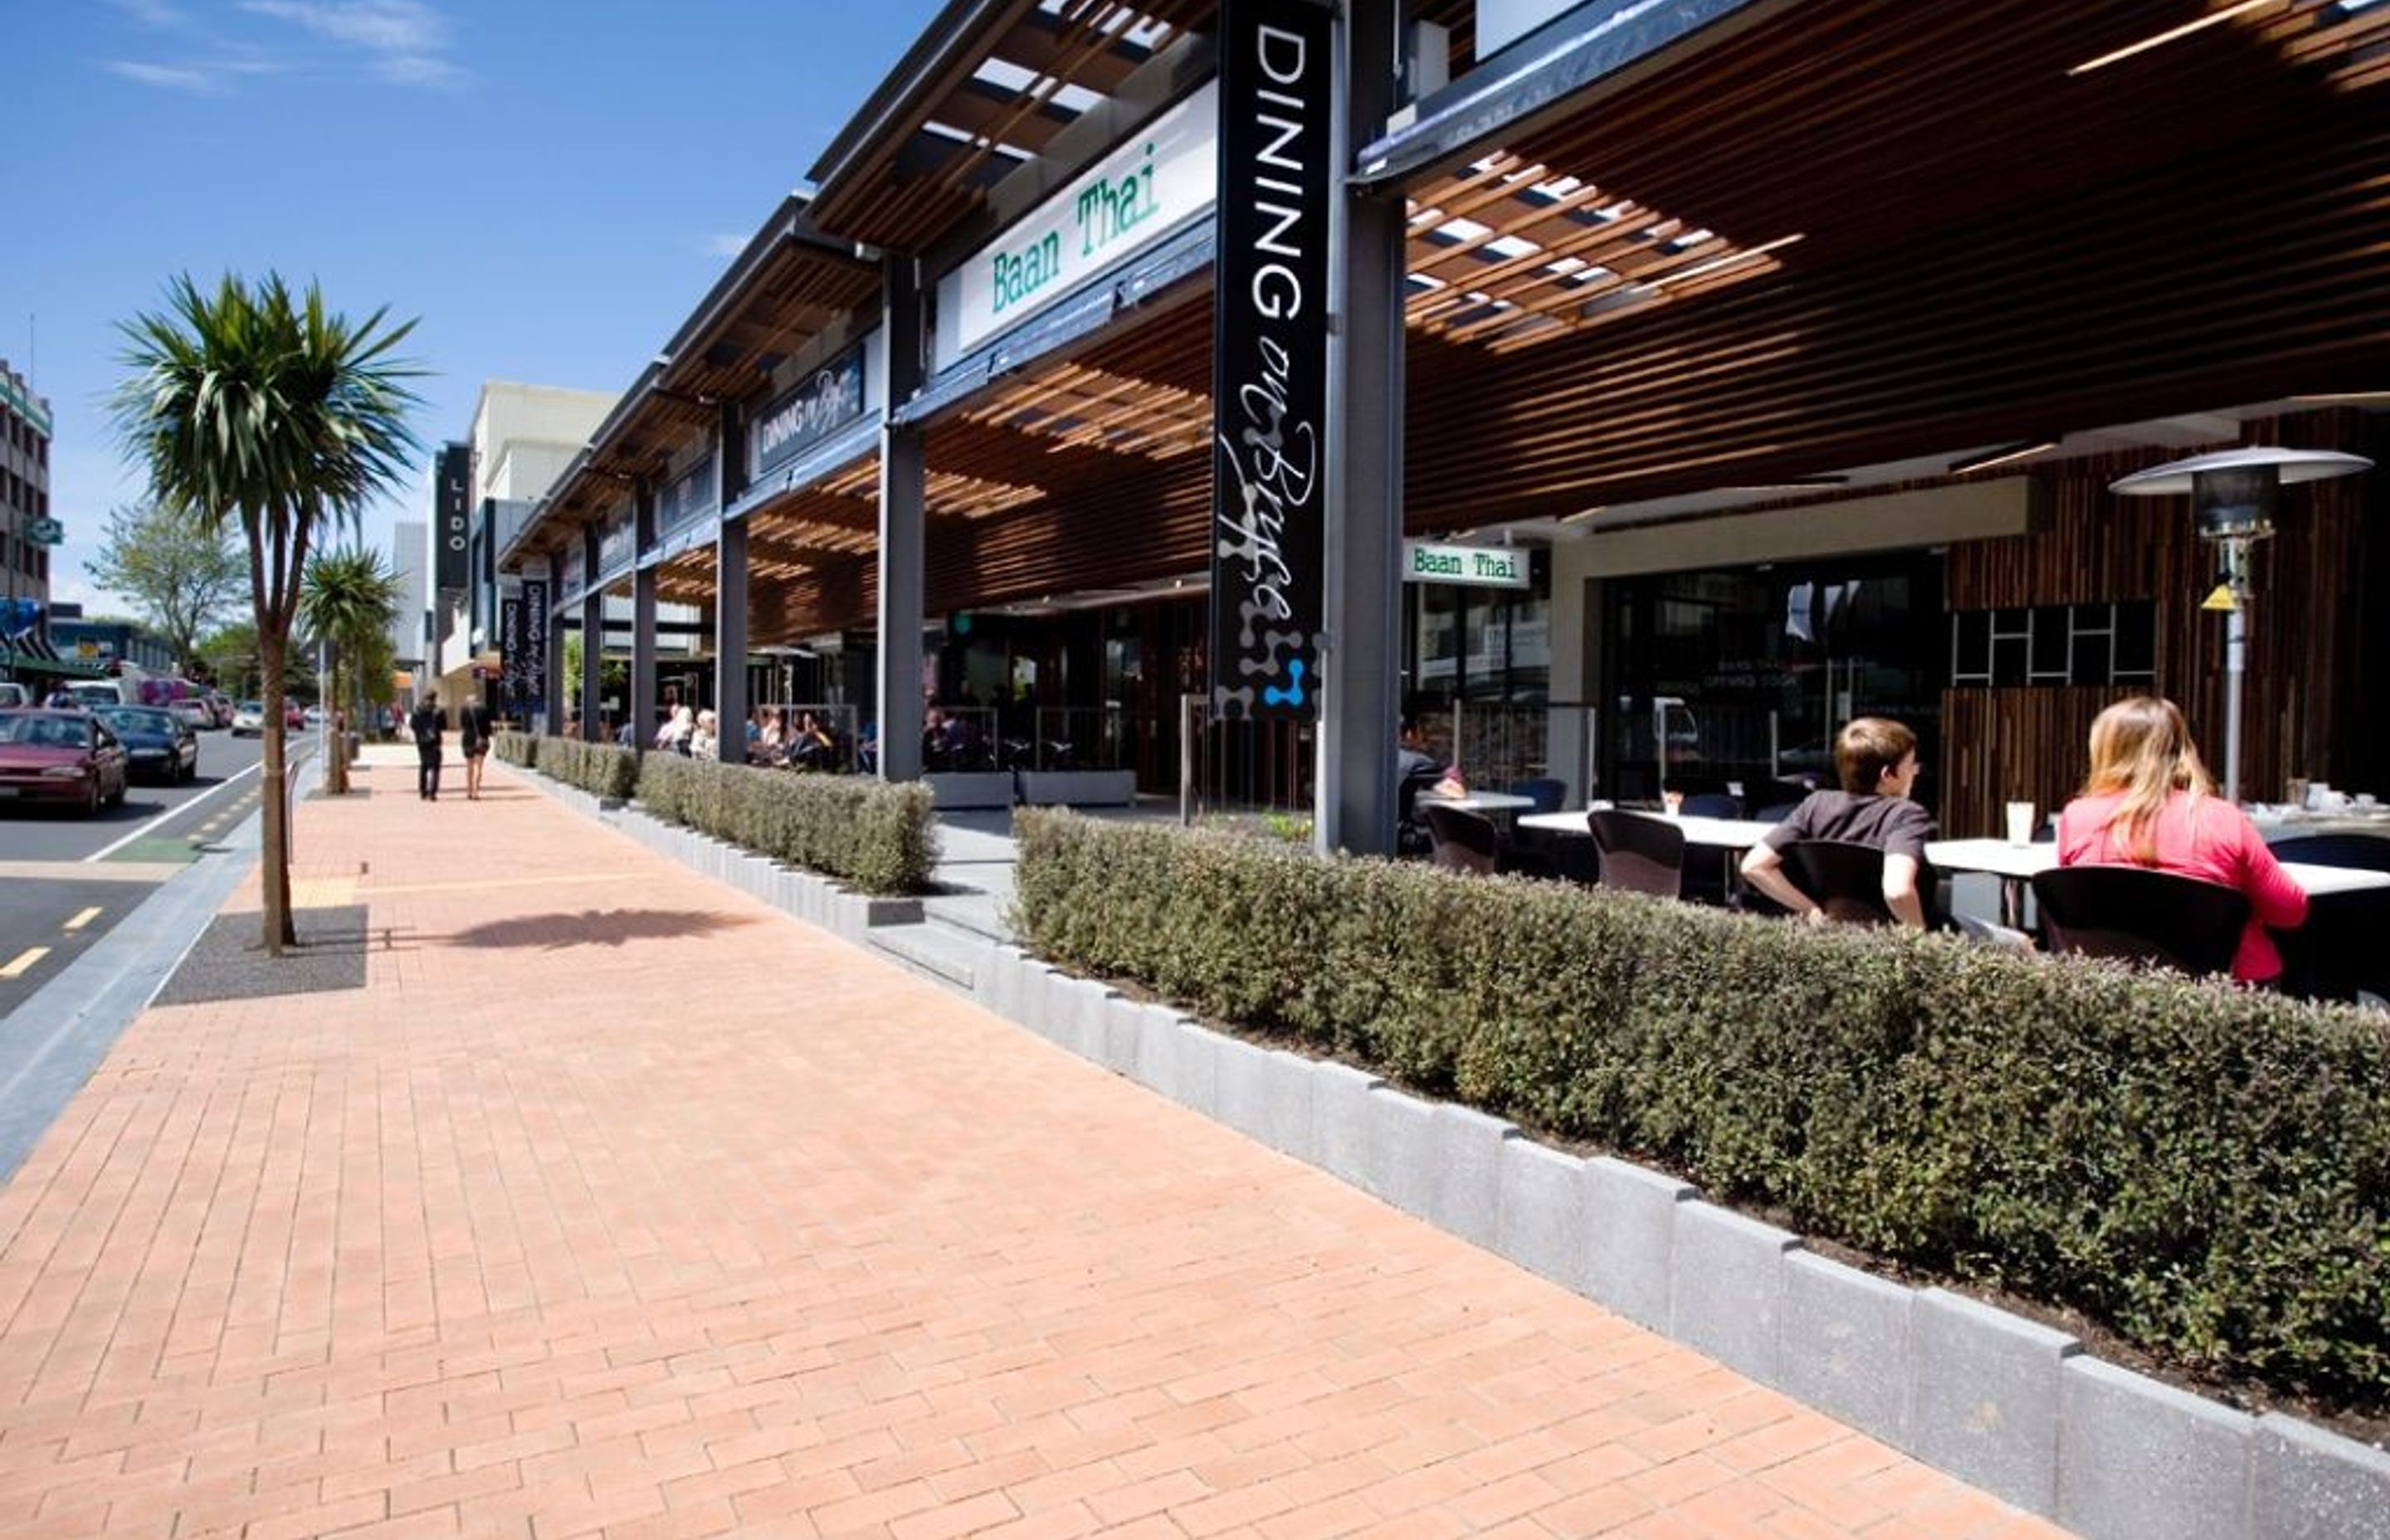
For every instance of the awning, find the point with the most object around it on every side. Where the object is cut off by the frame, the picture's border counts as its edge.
(32, 653)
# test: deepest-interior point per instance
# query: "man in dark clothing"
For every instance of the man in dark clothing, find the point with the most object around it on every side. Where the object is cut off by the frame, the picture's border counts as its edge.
(427, 723)
(1876, 759)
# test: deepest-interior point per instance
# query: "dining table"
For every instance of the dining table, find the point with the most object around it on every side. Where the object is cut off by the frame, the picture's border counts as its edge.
(2016, 865)
(1720, 833)
(1480, 801)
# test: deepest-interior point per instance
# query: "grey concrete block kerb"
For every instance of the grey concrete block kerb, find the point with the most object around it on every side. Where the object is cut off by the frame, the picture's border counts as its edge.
(1727, 1296)
(1343, 1119)
(2316, 1485)
(1540, 1218)
(1983, 1397)
(2136, 1457)
(1401, 1169)
(1466, 1161)
(1843, 1345)
(1631, 1231)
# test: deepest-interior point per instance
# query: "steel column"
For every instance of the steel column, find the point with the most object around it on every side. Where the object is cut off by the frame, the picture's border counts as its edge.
(903, 534)
(1361, 698)
(593, 640)
(639, 704)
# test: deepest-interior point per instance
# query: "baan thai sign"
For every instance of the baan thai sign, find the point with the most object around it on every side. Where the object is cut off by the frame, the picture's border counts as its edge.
(1270, 358)
(1156, 183)
(1473, 565)
(831, 398)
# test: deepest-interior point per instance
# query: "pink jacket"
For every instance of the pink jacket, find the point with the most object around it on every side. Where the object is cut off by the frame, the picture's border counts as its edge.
(2218, 845)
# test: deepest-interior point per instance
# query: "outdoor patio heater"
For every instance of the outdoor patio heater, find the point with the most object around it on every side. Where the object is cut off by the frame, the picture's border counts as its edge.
(2234, 495)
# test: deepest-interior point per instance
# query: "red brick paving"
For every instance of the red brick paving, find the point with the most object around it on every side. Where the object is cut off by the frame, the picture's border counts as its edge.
(617, 1204)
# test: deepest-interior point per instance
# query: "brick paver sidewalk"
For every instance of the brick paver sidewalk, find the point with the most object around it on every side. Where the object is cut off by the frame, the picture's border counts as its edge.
(618, 1203)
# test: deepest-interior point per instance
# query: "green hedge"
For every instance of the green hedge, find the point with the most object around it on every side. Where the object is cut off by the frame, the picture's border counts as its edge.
(600, 769)
(2204, 1168)
(872, 835)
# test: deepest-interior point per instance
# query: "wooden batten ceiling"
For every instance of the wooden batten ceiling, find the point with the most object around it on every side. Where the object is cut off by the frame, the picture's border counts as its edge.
(992, 109)
(1081, 408)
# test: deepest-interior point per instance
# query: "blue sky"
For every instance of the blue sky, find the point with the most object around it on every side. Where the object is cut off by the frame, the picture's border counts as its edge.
(550, 187)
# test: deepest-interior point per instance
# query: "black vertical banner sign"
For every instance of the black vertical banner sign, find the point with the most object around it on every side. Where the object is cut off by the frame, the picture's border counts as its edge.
(452, 493)
(1270, 358)
(510, 657)
(527, 659)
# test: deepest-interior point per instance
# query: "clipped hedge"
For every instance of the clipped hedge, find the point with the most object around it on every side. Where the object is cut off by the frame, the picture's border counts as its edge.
(873, 836)
(600, 769)
(2204, 1169)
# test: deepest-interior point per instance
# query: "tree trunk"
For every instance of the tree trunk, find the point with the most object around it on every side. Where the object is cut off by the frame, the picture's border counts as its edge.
(279, 928)
(336, 769)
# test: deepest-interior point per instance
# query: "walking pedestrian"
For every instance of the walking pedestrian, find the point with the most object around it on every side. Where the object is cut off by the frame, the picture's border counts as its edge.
(427, 723)
(473, 737)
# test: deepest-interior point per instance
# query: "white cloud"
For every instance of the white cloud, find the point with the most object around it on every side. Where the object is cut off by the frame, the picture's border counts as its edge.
(198, 79)
(402, 42)
(387, 27)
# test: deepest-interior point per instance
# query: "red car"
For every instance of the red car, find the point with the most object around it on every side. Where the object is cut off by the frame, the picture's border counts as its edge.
(61, 757)
(294, 716)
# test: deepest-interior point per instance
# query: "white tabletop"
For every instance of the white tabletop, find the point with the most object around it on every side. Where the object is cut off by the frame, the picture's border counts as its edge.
(1723, 833)
(1482, 801)
(2003, 859)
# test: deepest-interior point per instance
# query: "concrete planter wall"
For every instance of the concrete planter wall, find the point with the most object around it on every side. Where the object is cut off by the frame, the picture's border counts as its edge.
(1078, 788)
(957, 788)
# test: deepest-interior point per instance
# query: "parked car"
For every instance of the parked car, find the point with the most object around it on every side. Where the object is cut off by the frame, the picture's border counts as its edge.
(248, 719)
(314, 715)
(160, 744)
(194, 712)
(219, 707)
(61, 757)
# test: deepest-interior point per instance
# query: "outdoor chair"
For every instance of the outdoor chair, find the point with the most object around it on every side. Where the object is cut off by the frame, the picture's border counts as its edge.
(2339, 951)
(1468, 841)
(2139, 915)
(1841, 877)
(1410, 832)
(1640, 855)
(1546, 791)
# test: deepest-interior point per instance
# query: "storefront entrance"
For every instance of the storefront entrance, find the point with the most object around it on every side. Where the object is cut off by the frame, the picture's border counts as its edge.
(1743, 675)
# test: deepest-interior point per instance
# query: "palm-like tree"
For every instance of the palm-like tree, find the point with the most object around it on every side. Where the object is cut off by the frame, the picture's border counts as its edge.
(254, 405)
(347, 600)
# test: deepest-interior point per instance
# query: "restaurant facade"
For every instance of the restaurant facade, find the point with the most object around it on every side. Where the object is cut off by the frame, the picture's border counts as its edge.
(1699, 376)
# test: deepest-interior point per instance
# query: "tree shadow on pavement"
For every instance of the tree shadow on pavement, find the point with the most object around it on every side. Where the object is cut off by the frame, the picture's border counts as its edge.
(596, 928)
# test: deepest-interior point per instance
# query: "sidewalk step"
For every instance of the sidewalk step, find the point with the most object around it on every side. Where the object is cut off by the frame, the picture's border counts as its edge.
(979, 917)
(936, 953)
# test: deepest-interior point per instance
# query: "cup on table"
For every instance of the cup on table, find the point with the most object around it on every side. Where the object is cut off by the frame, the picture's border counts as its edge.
(2320, 796)
(1674, 801)
(2297, 791)
(2021, 823)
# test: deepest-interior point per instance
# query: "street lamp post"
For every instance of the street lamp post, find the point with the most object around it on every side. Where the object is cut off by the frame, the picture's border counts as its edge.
(2234, 495)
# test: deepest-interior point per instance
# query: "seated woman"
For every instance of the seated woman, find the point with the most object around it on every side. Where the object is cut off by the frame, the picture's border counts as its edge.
(1876, 759)
(770, 743)
(810, 743)
(2150, 801)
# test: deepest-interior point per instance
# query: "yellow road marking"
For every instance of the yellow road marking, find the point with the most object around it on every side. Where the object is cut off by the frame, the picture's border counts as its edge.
(25, 959)
(83, 918)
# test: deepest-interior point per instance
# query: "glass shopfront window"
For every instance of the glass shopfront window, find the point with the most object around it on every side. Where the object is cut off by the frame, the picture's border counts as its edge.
(1481, 644)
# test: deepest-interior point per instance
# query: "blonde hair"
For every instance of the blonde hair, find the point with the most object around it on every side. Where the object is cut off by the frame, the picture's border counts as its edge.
(2142, 747)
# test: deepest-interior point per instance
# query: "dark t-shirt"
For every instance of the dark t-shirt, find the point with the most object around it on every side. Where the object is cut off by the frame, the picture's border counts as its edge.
(427, 723)
(1893, 825)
